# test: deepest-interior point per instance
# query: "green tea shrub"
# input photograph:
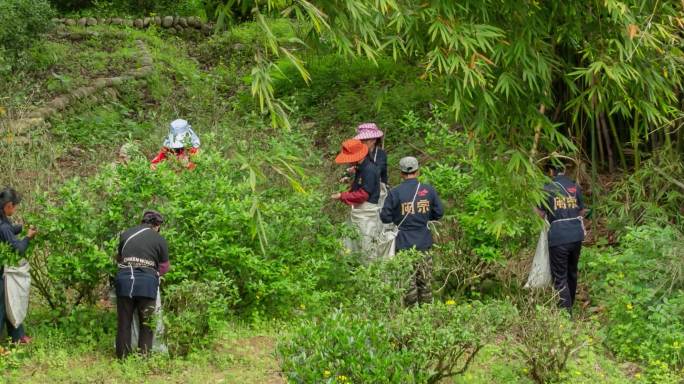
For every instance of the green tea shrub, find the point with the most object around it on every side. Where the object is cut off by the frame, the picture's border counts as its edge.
(420, 345)
(489, 214)
(345, 348)
(195, 311)
(641, 287)
(224, 223)
(444, 338)
(382, 285)
(546, 340)
(22, 22)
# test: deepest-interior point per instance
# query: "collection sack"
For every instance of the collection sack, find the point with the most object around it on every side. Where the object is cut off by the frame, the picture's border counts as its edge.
(540, 272)
(17, 286)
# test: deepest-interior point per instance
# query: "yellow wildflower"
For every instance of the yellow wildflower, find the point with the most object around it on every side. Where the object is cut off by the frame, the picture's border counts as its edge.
(450, 302)
(326, 373)
(302, 307)
(630, 306)
(637, 375)
(342, 378)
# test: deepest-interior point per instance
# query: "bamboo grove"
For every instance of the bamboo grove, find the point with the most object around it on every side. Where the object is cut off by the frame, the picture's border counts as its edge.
(600, 80)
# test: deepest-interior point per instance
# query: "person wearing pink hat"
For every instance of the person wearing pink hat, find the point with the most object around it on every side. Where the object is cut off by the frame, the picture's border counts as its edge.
(371, 136)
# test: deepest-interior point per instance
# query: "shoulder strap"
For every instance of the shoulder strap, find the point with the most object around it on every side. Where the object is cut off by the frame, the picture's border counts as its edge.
(132, 236)
(562, 187)
(412, 202)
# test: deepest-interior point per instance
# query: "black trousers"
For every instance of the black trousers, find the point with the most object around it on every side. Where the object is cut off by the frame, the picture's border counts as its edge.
(564, 259)
(124, 309)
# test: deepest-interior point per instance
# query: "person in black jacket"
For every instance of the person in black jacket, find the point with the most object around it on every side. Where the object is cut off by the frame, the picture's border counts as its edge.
(9, 200)
(143, 256)
(564, 209)
(410, 206)
(371, 136)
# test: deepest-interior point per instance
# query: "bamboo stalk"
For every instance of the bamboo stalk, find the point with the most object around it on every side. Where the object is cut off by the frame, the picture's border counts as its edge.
(635, 143)
(618, 144)
(596, 134)
(606, 139)
(537, 134)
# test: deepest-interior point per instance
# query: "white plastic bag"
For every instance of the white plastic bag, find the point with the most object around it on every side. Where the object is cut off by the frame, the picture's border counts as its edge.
(386, 242)
(540, 273)
(17, 286)
(158, 344)
(365, 218)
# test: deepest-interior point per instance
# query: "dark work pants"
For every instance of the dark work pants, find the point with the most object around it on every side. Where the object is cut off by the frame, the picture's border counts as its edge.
(420, 287)
(564, 259)
(14, 333)
(124, 309)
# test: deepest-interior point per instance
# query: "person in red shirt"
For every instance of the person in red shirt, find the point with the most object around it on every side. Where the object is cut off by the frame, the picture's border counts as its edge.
(362, 196)
(366, 184)
(181, 142)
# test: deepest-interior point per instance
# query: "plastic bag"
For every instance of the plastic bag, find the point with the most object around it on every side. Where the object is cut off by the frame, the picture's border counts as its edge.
(158, 344)
(540, 273)
(386, 242)
(366, 219)
(17, 286)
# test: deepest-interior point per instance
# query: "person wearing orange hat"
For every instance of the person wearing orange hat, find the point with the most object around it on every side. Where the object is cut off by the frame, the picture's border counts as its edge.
(362, 196)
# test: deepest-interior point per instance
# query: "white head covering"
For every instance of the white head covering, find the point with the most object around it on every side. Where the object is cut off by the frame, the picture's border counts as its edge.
(180, 134)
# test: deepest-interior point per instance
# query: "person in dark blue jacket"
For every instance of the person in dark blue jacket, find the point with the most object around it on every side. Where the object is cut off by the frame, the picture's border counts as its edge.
(564, 209)
(410, 206)
(9, 200)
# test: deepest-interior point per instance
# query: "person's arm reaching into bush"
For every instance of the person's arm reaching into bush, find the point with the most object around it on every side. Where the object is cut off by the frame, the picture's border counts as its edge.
(164, 263)
(437, 209)
(359, 196)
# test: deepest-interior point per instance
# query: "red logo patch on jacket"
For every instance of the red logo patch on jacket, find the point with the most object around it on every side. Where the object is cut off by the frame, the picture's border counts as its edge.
(572, 189)
(423, 192)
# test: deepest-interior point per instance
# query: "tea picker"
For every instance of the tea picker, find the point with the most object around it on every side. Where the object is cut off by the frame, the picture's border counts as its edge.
(362, 197)
(411, 206)
(181, 142)
(15, 281)
(142, 257)
(564, 210)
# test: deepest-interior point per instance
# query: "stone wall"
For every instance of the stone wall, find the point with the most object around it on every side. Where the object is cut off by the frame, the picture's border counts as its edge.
(172, 24)
(38, 116)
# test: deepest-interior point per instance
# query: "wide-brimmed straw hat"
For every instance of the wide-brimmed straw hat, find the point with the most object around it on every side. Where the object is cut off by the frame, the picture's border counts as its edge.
(353, 151)
(181, 135)
(367, 131)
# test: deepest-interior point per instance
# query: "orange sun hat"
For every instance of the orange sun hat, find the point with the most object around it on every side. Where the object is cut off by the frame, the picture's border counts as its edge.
(352, 151)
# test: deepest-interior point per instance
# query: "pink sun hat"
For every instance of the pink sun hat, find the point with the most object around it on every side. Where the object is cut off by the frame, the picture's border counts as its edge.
(367, 131)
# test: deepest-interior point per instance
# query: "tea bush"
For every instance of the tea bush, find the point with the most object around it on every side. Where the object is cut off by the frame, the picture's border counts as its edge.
(489, 216)
(547, 340)
(195, 311)
(217, 216)
(641, 286)
(420, 345)
(22, 22)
